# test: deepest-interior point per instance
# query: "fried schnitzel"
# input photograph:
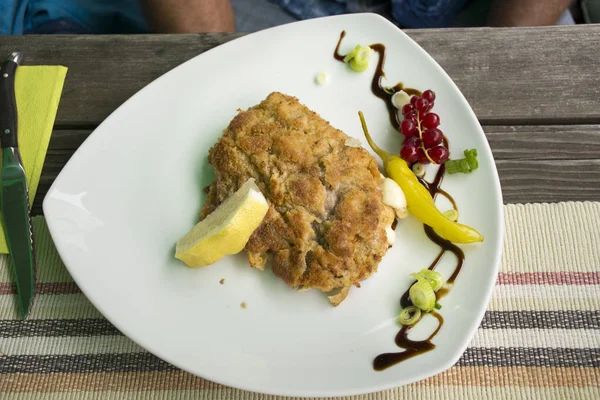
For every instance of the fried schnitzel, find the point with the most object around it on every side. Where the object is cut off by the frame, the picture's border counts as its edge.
(326, 225)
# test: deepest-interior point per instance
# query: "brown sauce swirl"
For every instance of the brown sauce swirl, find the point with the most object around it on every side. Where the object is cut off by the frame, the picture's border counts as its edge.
(411, 348)
(336, 53)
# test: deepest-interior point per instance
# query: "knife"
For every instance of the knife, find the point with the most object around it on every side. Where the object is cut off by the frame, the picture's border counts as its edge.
(14, 197)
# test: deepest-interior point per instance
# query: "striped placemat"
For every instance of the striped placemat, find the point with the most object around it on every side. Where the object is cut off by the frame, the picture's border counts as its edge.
(540, 338)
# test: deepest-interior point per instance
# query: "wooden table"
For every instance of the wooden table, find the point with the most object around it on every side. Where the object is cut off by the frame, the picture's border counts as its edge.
(536, 91)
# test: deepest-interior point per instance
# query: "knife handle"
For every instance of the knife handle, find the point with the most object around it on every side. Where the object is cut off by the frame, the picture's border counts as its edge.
(8, 105)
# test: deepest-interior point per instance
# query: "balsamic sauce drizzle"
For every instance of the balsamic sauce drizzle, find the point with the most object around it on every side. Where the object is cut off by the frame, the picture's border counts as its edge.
(411, 348)
(336, 53)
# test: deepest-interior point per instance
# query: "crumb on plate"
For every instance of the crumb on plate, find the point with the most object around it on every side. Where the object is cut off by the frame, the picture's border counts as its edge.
(322, 78)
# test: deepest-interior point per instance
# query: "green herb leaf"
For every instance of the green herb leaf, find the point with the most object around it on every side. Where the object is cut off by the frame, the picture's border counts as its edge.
(464, 165)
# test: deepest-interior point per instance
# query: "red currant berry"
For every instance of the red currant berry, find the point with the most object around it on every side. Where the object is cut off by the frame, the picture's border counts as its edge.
(439, 154)
(410, 117)
(413, 100)
(422, 157)
(408, 127)
(422, 105)
(409, 153)
(432, 137)
(431, 120)
(407, 109)
(412, 140)
(429, 95)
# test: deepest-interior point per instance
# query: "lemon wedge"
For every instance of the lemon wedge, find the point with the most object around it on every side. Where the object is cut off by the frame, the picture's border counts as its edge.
(226, 230)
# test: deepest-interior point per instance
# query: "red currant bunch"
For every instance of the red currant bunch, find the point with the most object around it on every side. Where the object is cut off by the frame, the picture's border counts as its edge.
(423, 140)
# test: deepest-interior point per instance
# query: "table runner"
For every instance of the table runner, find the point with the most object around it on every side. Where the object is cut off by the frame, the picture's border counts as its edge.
(540, 337)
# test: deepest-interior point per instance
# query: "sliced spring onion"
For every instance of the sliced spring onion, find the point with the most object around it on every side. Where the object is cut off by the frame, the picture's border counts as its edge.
(359, 58)
(357, 66)
(419, 170)
(351, 55)
(435, 279)
(422, 295)
(409, 315)
(437, 306)
(400, 99)
(452, 215)
(464, 165)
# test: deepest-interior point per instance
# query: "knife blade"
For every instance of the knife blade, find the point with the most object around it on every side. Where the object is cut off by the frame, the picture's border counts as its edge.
(14, 197)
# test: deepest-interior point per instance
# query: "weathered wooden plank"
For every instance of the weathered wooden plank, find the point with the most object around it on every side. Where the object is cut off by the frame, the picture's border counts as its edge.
(549, 181)
(510, 76)
(535, 163)
(68, 139)
(104, 71)
(551, 142)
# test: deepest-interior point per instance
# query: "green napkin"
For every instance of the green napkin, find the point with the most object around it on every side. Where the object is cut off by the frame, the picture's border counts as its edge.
(37, 91)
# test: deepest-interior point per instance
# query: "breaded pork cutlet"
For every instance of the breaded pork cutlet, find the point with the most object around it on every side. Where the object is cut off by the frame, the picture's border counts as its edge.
(325, 228)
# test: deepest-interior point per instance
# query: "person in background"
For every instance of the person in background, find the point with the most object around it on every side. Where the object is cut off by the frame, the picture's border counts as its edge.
(18, 17)
(180, 16)
(254, 15)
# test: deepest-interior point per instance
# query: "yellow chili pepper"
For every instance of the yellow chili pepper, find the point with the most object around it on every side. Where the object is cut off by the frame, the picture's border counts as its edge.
(418, 199)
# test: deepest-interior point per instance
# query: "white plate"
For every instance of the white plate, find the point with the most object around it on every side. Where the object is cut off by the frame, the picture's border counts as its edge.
(135, 186)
